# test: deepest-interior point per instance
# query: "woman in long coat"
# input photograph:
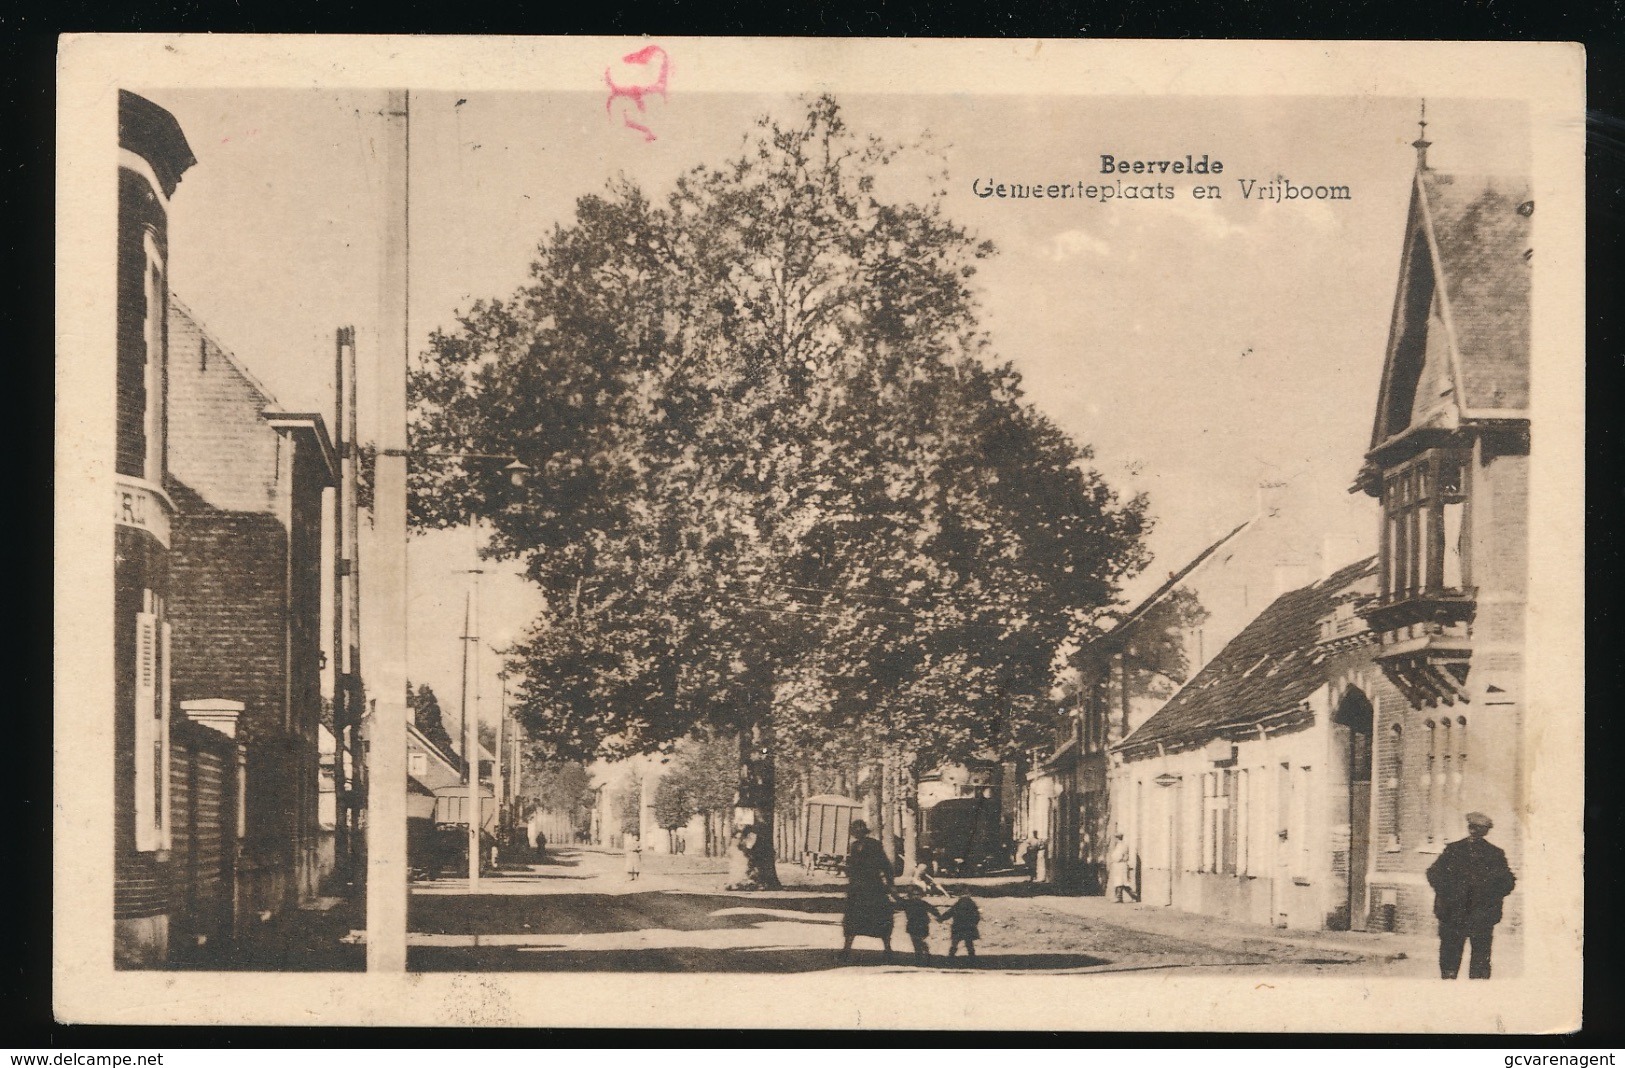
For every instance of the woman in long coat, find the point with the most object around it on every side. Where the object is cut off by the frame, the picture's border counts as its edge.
(1120, 870)
(868, 892)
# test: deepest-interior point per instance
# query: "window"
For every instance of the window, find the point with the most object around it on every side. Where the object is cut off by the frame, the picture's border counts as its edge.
(152, 640)
(1459, 787)
(1444, 785)
(1302, 836)
(1244, 804)
(153, 330)
(1210, 817)
(1424, 510)
(1394, 759)
(1430, 782)
(1229, 809)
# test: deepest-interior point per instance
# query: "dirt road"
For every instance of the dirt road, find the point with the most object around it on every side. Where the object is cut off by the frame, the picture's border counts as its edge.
(580, 912)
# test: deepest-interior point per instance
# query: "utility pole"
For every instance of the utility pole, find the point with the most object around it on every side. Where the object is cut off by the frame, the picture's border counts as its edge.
(386, 821)
(498, 780)
(471, 727)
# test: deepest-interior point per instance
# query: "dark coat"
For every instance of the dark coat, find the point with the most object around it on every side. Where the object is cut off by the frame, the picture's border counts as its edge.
(965, 920)
(1469, 880)
(917, 916)
(868, 891)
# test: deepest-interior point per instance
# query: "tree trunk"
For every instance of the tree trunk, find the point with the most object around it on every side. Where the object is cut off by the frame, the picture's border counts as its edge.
(751, 861)
(887, 829)
(908, 786)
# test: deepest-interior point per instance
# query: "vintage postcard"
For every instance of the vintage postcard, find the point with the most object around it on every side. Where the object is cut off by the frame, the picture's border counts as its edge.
(819, 533)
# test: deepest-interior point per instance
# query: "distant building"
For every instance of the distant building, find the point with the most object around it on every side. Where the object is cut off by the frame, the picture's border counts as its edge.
(153, 155)
(248, 481)
(1449, 460)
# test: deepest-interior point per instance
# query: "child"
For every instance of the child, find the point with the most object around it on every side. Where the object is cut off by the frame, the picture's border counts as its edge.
(634, 858)
(963, 919)
(917, 915)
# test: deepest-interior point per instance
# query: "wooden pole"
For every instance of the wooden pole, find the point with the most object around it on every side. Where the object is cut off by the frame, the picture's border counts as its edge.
(386, 819)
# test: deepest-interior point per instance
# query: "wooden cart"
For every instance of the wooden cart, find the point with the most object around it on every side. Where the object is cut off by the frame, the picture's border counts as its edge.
(826, 831)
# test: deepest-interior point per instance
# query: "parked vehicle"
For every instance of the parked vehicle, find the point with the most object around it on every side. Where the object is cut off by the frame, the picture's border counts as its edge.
(443, 850)
(964, 836)
(826, 831)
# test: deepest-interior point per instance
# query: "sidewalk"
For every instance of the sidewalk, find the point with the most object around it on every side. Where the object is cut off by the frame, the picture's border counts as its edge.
(310, 939)
(1174, 923)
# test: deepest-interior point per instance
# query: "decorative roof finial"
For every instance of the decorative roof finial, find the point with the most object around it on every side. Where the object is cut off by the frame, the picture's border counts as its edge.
(1421, 143)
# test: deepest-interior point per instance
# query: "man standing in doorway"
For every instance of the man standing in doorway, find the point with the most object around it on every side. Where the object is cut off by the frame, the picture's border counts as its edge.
(1469, 881)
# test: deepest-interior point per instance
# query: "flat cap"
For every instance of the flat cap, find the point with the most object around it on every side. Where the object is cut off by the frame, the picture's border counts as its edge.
(1478, 819)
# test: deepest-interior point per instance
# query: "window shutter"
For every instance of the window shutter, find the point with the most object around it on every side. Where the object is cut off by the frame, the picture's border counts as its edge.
(164, 821)
(146, 737)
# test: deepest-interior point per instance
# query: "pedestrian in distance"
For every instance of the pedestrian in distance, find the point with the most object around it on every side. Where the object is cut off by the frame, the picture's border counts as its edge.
(634, 858)
(869, 888)
(917, 916)
(1120, 869)
(1470, 879)
(1029, 856)
(964, 926)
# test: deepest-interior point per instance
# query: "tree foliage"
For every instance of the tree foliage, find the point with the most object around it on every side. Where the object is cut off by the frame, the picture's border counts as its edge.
(673, 807)
(1158, 659)
(628, 800)
(431, 721)
(782, 487)
(559, 786)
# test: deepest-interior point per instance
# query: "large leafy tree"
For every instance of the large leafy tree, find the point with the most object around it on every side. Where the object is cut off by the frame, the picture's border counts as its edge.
(782, 488)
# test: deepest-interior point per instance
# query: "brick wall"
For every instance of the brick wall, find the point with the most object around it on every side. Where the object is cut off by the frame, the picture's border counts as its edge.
(227, 610)
(140, 213)
(220, 448)
(1492, 774)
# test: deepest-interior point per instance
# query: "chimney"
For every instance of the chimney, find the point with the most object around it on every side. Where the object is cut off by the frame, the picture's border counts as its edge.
(1337, 551)
(1271, 497)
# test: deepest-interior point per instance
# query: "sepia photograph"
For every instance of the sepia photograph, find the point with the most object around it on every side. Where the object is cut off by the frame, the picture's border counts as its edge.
(820, 534)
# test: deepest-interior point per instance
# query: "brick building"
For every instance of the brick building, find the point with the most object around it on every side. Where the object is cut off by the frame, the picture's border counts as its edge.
(153, 155)
(248, 483)
(1449, 463)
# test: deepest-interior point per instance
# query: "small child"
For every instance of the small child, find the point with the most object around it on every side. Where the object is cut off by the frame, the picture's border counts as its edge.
(964, 920)
(917, 915)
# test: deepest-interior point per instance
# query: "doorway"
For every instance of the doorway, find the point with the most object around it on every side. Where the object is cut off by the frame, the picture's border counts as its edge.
(1354, 712)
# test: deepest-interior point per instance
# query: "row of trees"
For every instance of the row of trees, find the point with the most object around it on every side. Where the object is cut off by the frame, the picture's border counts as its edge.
(783, 491)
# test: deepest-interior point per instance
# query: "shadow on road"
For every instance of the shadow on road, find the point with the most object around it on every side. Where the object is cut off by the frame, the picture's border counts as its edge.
(767, 959)
(569, 913)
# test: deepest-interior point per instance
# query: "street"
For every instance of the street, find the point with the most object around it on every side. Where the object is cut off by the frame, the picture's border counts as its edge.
(580, 912)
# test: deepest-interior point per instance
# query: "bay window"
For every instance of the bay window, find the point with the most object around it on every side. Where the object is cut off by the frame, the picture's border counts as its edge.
(1424, 547)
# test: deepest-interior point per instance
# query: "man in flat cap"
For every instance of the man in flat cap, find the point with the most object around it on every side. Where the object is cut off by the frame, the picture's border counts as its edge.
(1469, 880)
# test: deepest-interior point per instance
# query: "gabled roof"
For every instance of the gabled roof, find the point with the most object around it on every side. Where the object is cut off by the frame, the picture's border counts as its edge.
(1467, 237)
(1267, 671)
(1109, 641)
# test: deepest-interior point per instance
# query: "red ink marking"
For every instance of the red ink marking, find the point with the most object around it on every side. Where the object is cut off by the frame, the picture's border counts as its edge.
(635, 93)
